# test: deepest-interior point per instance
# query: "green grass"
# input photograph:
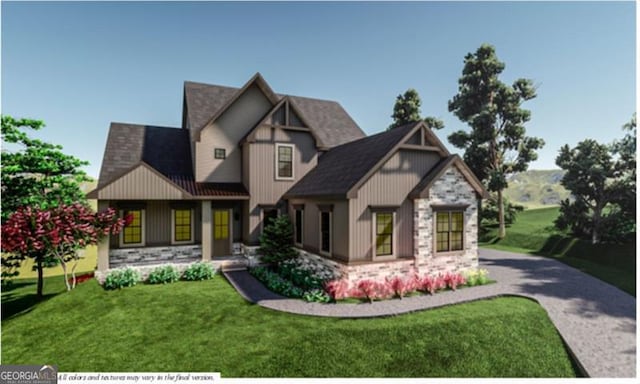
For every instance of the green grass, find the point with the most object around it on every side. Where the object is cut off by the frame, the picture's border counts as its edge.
(533, 233)
(207, 326)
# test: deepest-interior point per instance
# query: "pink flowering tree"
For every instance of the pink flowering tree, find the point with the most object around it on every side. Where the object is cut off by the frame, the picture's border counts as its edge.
(57, 232)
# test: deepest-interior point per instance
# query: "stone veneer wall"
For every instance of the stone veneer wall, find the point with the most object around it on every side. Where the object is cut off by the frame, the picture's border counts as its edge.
(352, 273)
(450, 189)
(154, 255)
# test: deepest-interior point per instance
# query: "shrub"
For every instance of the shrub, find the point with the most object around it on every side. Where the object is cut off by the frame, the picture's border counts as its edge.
(276, 283)
(432, 284)
(163, 275)
(402, 286)
(374, 290)
(198, 271)
(276, 241)
(121, 278)
(476, 277)
(453, 280)
(338, 289)
(316, 296)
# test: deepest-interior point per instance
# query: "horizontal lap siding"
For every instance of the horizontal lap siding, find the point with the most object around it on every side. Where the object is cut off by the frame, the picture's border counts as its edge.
(390, 185)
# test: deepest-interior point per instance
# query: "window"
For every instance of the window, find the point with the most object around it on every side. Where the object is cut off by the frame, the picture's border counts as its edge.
(325, 232)
(384, 233)
(220, 153)
(133, 234)
(284, 161)
(182, 225)
(299, 222)
(220, 224)
(449, 228)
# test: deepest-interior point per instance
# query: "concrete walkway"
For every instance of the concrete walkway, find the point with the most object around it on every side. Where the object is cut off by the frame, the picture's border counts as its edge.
(596, 320)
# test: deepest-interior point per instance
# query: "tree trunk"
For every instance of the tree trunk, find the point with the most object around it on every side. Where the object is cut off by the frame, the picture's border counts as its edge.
(502, 231)
(66, 275)
(595, 231)
(40, 278)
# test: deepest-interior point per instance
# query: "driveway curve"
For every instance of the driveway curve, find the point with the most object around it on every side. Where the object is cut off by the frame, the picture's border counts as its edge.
(596, 320)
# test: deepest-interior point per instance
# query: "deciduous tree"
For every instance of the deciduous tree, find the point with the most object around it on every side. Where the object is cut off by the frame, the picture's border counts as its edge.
(602, 182)
(497, 143)
(35, 174)
(57, 232)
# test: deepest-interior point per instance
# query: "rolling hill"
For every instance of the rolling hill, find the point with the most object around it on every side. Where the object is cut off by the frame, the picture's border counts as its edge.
(536, 188)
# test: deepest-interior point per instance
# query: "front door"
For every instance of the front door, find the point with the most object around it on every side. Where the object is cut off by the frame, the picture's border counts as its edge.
(221, 232)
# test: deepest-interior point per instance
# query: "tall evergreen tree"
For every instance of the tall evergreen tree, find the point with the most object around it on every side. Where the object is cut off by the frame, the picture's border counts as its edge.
(497, 144)
(407, 110)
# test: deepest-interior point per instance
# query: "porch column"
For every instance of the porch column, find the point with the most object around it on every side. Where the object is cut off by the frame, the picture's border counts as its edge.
(207, 230)
(103, 246)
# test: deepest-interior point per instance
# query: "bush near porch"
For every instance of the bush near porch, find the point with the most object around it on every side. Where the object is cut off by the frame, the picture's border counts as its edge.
(206, 326)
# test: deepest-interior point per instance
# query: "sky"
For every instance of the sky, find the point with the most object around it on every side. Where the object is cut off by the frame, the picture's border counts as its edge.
(79, 66)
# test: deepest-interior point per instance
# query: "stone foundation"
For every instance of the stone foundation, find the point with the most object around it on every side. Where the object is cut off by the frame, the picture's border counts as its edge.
(145, 270)
(369, 270)
(154, 255)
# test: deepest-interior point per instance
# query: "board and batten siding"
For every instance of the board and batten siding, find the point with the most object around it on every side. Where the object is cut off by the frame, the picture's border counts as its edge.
(226, 132)
(311, 230)
(390, 186)
(264, 187)
(140, 184)
(157, 224)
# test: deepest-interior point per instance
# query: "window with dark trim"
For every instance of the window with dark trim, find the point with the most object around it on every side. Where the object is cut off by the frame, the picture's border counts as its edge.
(284, 161)
(299, 223)
(181, 225)
(220, 153)
(384, 233)
(132, 233)
(325, 231)
(449, 230)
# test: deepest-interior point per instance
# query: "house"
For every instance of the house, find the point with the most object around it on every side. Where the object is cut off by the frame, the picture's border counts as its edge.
(364, 206)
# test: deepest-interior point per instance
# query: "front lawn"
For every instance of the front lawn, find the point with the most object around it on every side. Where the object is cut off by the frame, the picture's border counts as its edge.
(207, 326)
(533, 233)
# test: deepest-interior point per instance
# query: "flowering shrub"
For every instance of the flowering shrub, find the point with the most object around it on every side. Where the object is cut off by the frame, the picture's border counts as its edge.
(120, 278)
(163, 275)
(198, 271)
(302, 267)
(453, 280)
(338, 289)
(374, 290)
(432, 284)
(476, 277)
(402, 286)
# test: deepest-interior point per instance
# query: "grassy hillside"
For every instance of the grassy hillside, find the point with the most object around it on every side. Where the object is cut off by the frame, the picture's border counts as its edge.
(533, 232)
(536, 188)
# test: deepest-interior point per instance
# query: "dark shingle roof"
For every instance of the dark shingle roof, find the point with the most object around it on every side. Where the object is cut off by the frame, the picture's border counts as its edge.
(123, 151)
(331, 123)
(168, 151)
(204, 100)
(342, 167)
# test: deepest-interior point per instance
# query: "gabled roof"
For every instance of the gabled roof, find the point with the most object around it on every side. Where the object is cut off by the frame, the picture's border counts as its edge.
(166, 151)
(422, 189)
(328, 120)
(347, 166)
